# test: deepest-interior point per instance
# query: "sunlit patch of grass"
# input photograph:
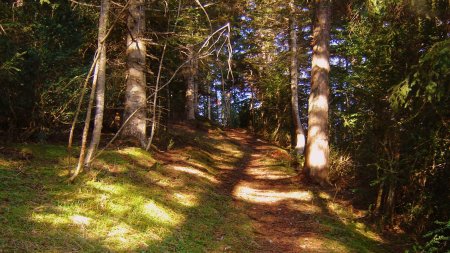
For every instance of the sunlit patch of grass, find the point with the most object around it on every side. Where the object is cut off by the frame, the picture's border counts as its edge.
(53, 219)
(115, 189)
(93, 212)
(343, 232)
(277, 164)
(128, 202)
(158, 213)
(137, 155)
(213, 227)
(229, 149)
(194, 172)
(347, 238)
(201, 159)
(347, 217)
(186, 199)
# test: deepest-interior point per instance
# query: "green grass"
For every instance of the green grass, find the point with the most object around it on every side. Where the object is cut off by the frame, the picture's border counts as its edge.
(343, 231)
(128, 203)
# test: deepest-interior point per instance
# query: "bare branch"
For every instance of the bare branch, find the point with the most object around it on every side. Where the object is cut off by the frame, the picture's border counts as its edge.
(206, 13)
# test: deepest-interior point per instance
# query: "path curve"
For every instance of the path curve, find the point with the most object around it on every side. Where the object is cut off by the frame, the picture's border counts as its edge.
(286, 214)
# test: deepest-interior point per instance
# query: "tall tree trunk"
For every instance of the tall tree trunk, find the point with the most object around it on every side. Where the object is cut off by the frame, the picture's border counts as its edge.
(299, 132)
(227, 105)
(209, 102)
(252, 111)
(169, 115)
(135, 94)
(390, 201)
(195, 98)
(379, 200)
(317, 149)
(226, 102)
(190, 89)
(101, 79)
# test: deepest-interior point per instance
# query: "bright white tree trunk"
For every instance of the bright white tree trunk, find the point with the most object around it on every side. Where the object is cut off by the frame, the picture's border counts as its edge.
(299, 132)
(317, 147)
(101, 80)
(135, 94)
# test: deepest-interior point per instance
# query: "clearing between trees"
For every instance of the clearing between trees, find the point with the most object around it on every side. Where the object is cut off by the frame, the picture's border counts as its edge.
(211, 191)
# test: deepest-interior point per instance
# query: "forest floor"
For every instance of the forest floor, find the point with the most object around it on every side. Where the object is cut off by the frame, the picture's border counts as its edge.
(210, 191)
(289, 215)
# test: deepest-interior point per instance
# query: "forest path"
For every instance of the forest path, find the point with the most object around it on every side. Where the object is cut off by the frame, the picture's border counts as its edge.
(286, 214)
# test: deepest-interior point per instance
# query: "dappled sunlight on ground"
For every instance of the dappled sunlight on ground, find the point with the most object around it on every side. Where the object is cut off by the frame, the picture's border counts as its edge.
(311, 243)
(266, 173)
(160, 214)
(350, 219)
(115, 216)
(122, 236)
(81, 220)
(186, 199)
(218, 192)
(108, 188)
(289, 218)
(194, 172)
(304, 208)
(127, 202)
(247, 193)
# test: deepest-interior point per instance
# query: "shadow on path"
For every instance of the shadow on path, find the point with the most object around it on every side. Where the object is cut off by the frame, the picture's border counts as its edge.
(288, 215)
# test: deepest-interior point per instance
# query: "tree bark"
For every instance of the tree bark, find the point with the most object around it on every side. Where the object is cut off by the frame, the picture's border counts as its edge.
(135, 94)
(195, 98)
(190, 85)
(87, 121)
(317, 147)
(209, 102)
(101, 80)
(299, 132)
(227, 106)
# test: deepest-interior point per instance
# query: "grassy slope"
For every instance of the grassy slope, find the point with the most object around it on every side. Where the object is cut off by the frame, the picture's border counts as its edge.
(130, 202)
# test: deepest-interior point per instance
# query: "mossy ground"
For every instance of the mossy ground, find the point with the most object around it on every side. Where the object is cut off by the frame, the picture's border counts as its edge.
(182, 200)
(128, 202)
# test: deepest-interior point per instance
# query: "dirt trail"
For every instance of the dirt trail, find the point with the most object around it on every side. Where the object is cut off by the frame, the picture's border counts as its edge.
(287, 215)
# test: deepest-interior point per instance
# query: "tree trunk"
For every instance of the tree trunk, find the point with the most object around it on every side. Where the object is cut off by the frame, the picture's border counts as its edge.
(227, 105)
(390, 202)
(317, 149)
(252, 110)
(195, 98)
(190, 111)
(299, 132)
(135, 94)
(101, 79)
(209, 102)
(87, 121)
(379, 200)
(190, 89)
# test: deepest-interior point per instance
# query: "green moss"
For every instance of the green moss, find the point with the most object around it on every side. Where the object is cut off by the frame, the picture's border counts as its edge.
(127, 203)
